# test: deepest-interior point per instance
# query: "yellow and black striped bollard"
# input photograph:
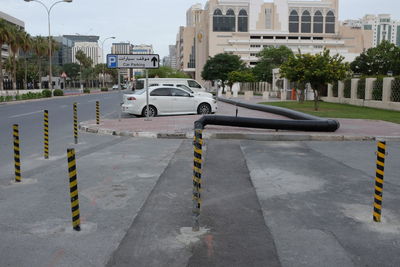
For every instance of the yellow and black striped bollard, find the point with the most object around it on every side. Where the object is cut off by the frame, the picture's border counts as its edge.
(17, 158)
(46, 134)
(75, 123)
(97, 112)
(73, 187)
(197, 162)
(380, 171)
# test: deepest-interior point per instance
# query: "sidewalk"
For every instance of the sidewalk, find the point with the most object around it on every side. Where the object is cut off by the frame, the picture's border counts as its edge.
(182, 127)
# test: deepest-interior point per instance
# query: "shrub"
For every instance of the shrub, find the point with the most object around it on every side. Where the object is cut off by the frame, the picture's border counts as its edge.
(9, 98)
(1, 98)
(104, 89)
(46, 93)
(86, 91)
(58, 92)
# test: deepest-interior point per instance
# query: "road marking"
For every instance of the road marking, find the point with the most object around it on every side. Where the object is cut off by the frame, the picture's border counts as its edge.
(26, 114)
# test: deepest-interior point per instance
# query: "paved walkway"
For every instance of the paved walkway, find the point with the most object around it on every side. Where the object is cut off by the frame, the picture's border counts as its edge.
(182, 127)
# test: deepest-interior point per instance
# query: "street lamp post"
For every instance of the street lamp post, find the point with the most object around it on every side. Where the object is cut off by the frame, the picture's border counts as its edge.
(102, 51)
(48, 9)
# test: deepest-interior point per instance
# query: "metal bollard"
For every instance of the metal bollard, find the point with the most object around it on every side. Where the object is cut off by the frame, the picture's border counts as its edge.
(17, 158)
(73, 187)
(46, 134)
(75, 123)
(380, 171)
(198, 151)
(97, 112)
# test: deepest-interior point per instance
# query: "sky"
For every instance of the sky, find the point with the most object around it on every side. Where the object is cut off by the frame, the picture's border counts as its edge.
(153, 22)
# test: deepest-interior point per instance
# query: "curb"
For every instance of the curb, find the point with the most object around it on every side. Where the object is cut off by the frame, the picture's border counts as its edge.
(236, 136)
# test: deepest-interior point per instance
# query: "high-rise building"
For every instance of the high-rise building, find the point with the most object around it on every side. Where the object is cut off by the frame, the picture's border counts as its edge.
(383, 26)
(121, 48)
(245, 27)
(63, 54)
(91, 50)
(172, 56)
(83, 38)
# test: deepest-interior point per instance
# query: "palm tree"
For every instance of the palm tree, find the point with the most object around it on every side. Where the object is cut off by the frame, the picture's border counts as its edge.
(4, 37)
(26, 45)
(40, 47)
(14, 45)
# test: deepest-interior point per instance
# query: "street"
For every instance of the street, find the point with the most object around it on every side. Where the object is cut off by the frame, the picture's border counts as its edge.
(264, 203)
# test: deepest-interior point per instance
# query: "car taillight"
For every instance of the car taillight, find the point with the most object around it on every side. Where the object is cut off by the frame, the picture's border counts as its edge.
(131, 98)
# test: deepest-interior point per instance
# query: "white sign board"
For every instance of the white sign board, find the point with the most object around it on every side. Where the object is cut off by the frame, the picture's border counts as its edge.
(148, 61)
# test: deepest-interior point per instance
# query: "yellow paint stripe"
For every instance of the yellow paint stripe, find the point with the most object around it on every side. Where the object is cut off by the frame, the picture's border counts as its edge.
(76, 223)
(197, 170)
(378, 180)
(381, 155)
(198, 160)
(198, 151)
(197, 180)
(75, 213)
(377, 206)
(74, 183)
(378, 197)
(380, 163)
(381, 145)
(74, 194)
(71, 164)
(380, 172)
(378, 189)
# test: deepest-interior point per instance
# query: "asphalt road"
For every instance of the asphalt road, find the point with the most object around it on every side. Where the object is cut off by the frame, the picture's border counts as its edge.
(29, 116)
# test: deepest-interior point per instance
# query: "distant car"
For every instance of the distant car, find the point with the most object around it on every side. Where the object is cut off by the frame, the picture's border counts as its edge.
(167, 101)
(115, 87)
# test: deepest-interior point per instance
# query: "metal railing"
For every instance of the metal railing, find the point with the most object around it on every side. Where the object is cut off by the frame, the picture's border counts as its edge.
(395, 97)
(377, 89)
(361, 89)
(347, 88)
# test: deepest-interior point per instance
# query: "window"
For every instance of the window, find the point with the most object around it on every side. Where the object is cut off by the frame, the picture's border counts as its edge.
(306, 22)
(230, 21)
(243, 21)
(217, 20)
(330, 22)
(161, 92)
(179, 92)
(185, 88)
(294, 21)
(268, 18)
(318, 22)
(193, 84)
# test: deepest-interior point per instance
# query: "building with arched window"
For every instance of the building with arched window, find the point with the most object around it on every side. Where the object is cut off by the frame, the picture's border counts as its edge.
(245, 27)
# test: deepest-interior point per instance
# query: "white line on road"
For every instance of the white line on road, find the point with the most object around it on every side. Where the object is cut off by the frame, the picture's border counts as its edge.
(25, 114)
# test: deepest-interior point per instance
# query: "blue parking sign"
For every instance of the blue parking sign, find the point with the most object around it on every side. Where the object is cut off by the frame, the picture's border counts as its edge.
(112, 61)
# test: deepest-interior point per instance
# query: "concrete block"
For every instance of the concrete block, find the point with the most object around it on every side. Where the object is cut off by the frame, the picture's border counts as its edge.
(228, 95)
(265, 96)
(248, 95)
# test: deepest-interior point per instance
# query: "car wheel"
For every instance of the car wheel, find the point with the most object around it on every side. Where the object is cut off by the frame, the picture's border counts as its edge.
(204, 108)
(152, 111)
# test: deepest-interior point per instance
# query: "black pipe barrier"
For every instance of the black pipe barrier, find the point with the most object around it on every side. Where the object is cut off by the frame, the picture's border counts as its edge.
(275, 110)
(294, 125)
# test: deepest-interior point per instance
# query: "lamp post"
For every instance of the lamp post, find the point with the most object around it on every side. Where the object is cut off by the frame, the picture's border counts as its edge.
(102, 52)
(48, 9)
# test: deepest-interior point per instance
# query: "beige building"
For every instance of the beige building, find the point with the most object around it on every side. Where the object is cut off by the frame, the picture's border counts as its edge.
(245, 27)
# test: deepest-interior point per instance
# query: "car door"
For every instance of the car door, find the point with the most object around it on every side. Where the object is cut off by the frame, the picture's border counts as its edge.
(162, 99)
(183, 101)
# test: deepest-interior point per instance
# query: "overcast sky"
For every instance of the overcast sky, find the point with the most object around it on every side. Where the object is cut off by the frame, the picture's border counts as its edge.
(153, 22)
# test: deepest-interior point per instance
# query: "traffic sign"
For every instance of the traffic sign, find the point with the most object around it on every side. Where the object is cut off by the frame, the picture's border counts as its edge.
(147, 61)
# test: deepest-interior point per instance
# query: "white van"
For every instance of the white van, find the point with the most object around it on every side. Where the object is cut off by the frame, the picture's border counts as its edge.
(192, 84)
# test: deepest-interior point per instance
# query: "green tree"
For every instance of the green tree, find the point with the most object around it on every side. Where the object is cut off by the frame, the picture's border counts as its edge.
(15, 42)
(26, 45)
(85, 63)
(166, 72)
(40, 47)
(240, 76)
(4, 38)
(219, 66)
(378, 60)
(318, 70)
(269, 59)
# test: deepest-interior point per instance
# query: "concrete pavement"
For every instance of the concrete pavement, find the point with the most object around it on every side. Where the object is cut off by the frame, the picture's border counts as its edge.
(182, 127)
